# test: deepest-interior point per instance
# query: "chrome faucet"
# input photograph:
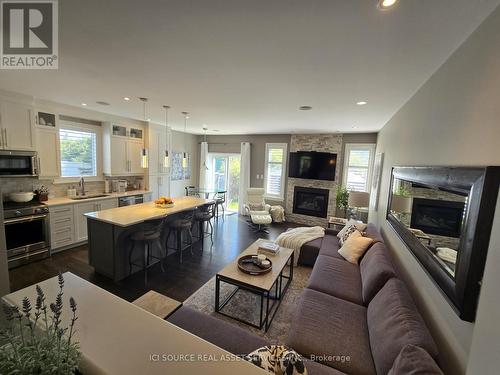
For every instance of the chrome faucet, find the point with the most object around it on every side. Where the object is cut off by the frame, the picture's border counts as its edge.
(81, 184)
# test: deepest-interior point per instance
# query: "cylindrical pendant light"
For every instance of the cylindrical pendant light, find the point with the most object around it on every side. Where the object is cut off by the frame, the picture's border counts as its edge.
(184, 155)
(144, 151)
(166, 158)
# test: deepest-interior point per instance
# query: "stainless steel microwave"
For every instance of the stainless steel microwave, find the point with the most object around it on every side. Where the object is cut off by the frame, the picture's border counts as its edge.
(18, 163)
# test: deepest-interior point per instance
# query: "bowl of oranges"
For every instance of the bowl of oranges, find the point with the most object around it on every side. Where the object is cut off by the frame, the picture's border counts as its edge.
(164, 202)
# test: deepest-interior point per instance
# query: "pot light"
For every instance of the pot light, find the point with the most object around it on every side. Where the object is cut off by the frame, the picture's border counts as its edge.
(126, 98)
(386, 4)
(84, 104)
(361, 103)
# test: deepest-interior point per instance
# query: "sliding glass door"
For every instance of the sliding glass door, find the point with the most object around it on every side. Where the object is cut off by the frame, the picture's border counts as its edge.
(226, 176)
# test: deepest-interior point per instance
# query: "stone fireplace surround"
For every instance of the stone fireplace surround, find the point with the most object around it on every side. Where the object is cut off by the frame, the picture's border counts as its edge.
(322, 143)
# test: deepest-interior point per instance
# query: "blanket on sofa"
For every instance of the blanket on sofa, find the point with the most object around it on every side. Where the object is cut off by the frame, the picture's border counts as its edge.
(296, 237)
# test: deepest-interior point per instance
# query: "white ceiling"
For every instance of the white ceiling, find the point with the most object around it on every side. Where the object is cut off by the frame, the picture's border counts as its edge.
(245, 66)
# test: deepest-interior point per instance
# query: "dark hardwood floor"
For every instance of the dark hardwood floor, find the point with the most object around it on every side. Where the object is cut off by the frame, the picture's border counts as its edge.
(232, 236)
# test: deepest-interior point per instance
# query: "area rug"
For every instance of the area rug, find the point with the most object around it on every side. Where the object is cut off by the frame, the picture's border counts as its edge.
(246, 305)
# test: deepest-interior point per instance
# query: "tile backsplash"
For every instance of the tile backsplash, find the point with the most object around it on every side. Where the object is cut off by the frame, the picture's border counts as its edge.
(15, 184)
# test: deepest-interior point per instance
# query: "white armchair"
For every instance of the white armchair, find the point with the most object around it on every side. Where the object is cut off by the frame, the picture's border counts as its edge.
(257, 208)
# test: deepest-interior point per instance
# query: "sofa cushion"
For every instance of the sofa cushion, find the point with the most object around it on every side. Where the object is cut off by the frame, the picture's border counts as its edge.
(309, 252)
(393, 323)
(337, 278)
(376, 268)
(315, 368)
(355, 247)
(330, 247)
(373, 232)
(332, 331)
(219, 332)
(413, 360)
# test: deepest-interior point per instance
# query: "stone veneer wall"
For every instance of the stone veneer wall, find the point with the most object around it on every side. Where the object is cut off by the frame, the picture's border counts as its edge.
(322, 143)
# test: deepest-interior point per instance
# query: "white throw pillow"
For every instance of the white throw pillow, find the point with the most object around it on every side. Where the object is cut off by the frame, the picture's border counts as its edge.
(355, 247)
(361, 227)
(348, 233)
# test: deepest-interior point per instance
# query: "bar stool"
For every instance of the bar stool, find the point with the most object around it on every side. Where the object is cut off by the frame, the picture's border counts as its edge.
(147, 237)
(203, 215)
(220, 200)
(181, 225)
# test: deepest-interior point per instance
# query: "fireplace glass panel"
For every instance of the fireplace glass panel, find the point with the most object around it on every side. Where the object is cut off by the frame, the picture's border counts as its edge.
(434, 216)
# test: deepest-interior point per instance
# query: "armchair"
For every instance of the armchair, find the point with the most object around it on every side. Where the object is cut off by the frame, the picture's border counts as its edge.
(257, 208)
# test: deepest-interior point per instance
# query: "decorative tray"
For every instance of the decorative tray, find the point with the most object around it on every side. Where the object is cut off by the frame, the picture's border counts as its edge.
(253, 268)
(169, 205)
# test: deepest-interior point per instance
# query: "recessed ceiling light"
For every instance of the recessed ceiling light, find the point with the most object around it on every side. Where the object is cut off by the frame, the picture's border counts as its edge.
(126, 98)
(102, 103)
(362, 103)
(84, 104)
(305, 107)
(386, 4)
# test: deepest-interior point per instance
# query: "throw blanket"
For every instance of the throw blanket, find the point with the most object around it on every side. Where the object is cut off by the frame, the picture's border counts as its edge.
(296, 237)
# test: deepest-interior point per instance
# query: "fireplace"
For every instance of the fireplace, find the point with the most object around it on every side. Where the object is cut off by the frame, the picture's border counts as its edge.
(310, 201)
(439, 217)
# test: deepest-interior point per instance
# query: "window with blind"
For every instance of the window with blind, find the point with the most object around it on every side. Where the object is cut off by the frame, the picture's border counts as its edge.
(358, 164)
(78, 152)
(274, 173)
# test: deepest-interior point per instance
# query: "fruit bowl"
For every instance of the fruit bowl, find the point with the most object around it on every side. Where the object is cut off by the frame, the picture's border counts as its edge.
(164, 202)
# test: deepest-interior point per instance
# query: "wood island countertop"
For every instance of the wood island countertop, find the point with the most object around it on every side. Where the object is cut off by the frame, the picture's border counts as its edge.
(139, 213)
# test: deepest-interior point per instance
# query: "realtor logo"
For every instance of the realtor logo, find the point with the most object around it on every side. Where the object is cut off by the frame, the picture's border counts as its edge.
(29, 37)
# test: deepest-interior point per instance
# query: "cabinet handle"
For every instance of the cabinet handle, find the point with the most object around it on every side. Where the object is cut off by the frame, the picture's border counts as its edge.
(62, 210)
(1, 138)
(62, 221)
(63, 231)
(6, 140)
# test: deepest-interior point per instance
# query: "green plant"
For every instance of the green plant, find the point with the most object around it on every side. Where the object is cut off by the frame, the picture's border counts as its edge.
(36, 340)
(342, 198)
(402, 191)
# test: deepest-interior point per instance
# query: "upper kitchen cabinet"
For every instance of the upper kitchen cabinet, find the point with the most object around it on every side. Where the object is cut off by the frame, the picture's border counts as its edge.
(45, 119)
(122, 146)
(16, 126)
(47, 142)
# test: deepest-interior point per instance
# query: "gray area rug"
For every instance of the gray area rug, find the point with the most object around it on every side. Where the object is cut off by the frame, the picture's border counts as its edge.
(246, 305)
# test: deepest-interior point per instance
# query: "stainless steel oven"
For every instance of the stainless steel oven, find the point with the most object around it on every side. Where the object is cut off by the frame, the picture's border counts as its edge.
(130, 200)
(18, 163)
(26, 233)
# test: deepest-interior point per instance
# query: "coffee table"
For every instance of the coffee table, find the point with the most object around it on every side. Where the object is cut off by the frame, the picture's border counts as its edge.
(269, 286)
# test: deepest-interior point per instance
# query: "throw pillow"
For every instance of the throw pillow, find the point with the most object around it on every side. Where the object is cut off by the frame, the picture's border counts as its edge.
(348, 233)
(361, 227)
(355, 247)
(278, 359)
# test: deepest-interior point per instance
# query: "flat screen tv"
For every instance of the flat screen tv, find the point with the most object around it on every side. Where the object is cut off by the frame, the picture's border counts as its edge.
(312, 165)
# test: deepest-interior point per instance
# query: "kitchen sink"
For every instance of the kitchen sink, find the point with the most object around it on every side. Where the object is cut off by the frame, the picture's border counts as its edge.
(81, 197)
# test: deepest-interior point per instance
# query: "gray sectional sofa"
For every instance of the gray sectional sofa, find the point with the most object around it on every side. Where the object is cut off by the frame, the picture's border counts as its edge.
(351, 319)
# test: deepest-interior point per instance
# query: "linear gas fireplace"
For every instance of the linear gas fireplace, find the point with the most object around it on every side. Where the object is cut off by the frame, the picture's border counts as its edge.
(439, 217)
(310, 201)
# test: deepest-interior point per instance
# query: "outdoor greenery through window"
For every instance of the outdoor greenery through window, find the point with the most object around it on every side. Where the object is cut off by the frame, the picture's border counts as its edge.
(78, 153)
(357, 166)
(275, 169)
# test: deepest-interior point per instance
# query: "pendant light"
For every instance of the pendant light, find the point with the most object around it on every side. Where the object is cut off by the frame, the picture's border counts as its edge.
(144, 151)
(184, 155)
(166, 158)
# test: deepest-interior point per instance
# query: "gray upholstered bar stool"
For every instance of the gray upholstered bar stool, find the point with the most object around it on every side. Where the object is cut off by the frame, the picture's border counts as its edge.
(146, 237)
(181, 225)
(203, 215)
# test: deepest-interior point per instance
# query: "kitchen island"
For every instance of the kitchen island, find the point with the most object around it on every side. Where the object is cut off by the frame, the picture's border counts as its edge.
(109, 231)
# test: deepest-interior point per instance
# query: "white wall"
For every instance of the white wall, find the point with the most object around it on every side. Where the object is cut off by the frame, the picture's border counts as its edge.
(191, 146)
(453, 120)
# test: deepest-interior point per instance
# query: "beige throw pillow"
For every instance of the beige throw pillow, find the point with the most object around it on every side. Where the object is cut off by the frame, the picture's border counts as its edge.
(354, 247)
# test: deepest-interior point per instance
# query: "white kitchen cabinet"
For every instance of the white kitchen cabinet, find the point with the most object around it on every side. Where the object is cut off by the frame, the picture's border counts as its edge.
(62, 228)
(122, 149)
(159, 186)
(47, 146)
(16, 126)
(86, 207)
(147, 197)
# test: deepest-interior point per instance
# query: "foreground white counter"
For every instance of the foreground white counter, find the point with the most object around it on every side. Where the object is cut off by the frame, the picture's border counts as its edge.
(117, 337)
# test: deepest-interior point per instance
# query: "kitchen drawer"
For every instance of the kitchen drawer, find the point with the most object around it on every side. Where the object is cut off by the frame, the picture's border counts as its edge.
(60, 212)
(61, 221)
(65, 241)
(58, 234)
